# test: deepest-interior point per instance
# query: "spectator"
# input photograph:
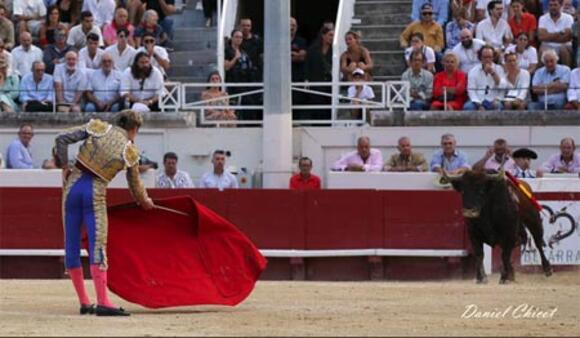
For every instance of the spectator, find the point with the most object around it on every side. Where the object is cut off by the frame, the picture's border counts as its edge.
(70, 82)
(149, 25)
(217, 97)
(406, 159)
(209, 8)
(523, 22)
(450, 85)
(37, 90)
(171, 177)
(555, 32)
(238, 65)
(550, 83)
(253, 45)
(440, 10)
(569, 7)
(29, 15)
(298, 52)
(219, 177)
(355, 56)
(90, 55)
(567, 161)
(454, 28)
(448, 158)
(522, 164)
(69, 11)
(364, 158)
(485, 82)
(359, 93)
(122, 52)
(574, 90)
(103, 11)
(467, 51)
(430, 29)
(318, 68)
(495, 30)
(19, 155)
(54, 54)
(78, 34)
(163, 8)
(420, 82)
(496, 157)
(305, 179)
(121, 20)
(158, 55)
(142, 85)
(517, 83)
(50, 26)
(9, 87)
(104, 85)
(428, 53)
(6, 28)
(482, 9)
(469, 5)
(527, 55)
(25, 54)
(545, 5)
(7, 57)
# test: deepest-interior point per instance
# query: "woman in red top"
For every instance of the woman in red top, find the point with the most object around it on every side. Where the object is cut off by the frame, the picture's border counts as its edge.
(453, 81)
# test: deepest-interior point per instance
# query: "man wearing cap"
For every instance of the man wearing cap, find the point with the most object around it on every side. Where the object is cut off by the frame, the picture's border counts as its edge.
(566, 161)
(523, 158)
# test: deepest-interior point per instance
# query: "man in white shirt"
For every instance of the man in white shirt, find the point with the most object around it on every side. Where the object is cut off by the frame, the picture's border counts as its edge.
(104, 88)
(77, 36)
(171, 177)
(24, 55)
(121, 51)
(467, 50)
(158, 54)
(485, 82)
(482, 13)
(103, 10)
(555, 32)
(495, 30)
(90, 55)
(29, 15)
(219, 177)
(142, 86)
(70, 81)
(574, 89)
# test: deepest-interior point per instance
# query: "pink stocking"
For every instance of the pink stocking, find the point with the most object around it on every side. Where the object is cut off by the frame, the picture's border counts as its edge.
(100, 280)
(76, 275)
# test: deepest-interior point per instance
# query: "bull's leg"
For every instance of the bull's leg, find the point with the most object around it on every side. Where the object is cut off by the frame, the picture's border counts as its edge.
(507, 270)
(537, 232)
(477, 245)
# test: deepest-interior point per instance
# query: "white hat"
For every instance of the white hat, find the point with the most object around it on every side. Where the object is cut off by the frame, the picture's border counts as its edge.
(358, 71)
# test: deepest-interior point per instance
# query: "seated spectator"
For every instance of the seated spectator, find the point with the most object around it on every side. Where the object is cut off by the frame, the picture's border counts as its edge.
(219, 177)
(523, 22)
(428, 53)
(449, 84)
(149, 25)
(305, 179)
(440, 10)
(25, 54)
(29, 15)
(496, 157)
(482, 10)
(163, 8)
(364, 158)
(516, 82)
(70, 82)
(522, 164)
(9, 87)
(574, 90)
(495, 30)
(527, 55)
(550, 83)
(406, 159)
(454, 28)
(355, 56)
(104, 87)
(90, 55)
(50, 26)
(239, 68)
(485, 82)
(18, 155)
(122, 52)
(545, 5)
(359, 93)
(54, 54)
(78, 34)
(142, 85)
(6, 28)
(37, 90)
(448, 158)
(121, 20)
(158, 55)
(569, 7)
(102, 10)
(69, 11)
(217, 97)
(431, 30)
(171, 177)
(567, 161)
(467, 51)
(555, 32)
(7, 58)
(420, 82)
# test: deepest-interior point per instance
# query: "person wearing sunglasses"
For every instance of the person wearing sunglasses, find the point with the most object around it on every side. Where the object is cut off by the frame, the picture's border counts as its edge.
(159, 56)
(431, 30)
(122, 51)
(440, 10)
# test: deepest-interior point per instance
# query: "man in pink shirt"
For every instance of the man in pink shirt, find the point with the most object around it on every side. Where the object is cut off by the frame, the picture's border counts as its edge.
(495, 156)
(364, 158)
(566, 161)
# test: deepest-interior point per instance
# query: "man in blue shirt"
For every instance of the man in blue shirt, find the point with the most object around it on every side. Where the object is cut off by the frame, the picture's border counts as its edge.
(550, 83)
(18, 155)
(440, 11)
(37, 90)
(448, 158)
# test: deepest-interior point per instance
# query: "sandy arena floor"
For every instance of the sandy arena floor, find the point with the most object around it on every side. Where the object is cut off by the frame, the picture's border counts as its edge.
(48, 308)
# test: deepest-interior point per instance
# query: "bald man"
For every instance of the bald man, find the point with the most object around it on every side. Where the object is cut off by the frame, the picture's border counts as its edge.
(70, 82)
(406, 159)
(364, 158)
(567, 161)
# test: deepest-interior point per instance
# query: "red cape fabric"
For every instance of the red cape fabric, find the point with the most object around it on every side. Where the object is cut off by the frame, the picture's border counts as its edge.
(162, 259)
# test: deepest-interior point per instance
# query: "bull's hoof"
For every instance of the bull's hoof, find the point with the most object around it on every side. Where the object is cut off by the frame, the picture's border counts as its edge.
(481, 281)
(505, 281)
(548, 272)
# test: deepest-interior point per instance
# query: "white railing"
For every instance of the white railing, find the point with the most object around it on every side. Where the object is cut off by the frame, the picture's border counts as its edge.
(171, 98)
(226, 22)
(343, 23)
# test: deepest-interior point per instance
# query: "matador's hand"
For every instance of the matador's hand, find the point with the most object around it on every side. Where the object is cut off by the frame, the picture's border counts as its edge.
(148, 204)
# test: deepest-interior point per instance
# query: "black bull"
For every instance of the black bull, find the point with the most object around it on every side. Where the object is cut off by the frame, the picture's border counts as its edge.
(496, 214)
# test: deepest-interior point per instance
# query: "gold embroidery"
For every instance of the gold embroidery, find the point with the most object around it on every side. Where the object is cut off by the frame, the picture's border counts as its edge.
(105, 156)
(98, 128)
(131, 154)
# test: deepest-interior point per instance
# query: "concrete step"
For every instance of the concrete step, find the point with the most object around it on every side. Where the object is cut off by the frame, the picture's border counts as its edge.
(197, 71)
(383, 19)
(389, 70)
(194, 33)
(379, 31)
(381, 44)
(191, 58)
(387, 57)
(363, 8)
(194, 45)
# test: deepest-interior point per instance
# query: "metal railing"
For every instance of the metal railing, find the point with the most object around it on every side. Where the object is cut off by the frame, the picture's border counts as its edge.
(343, 23)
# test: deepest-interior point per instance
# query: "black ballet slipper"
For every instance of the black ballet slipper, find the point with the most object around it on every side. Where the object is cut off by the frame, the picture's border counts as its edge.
(110, 311)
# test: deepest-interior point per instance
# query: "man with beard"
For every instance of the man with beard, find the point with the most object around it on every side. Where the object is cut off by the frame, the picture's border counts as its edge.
(467, 50)
(142, 84)
(70, 82)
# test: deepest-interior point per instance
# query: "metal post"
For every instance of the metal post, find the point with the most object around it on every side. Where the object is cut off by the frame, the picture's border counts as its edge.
(277, 124)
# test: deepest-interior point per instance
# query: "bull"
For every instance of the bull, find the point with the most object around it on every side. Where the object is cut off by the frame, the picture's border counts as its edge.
(496, 213)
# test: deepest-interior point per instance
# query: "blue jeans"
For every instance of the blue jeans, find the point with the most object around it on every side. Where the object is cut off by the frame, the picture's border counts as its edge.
(167, 25)
(472, 106)
(91, 108)
(540, 106)
(418, 104)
